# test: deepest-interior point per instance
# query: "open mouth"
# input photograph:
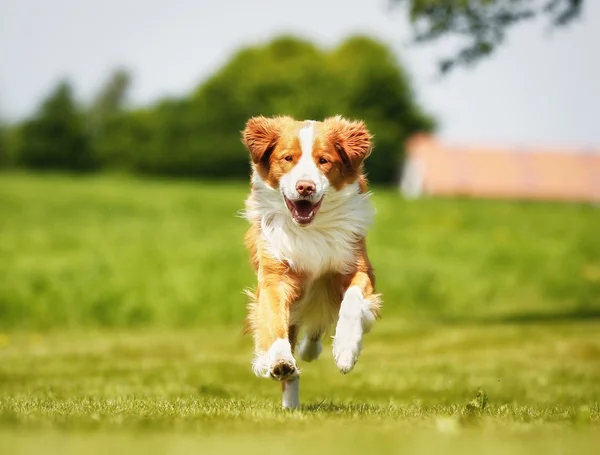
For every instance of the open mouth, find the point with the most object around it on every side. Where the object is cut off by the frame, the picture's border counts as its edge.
(303, 211)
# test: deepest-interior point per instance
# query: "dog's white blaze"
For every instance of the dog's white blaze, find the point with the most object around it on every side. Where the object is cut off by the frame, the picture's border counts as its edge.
(291, 394)
(355, 319)
(305, 168)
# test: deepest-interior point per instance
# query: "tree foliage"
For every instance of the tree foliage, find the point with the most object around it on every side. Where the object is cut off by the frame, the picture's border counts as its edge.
(3, 145)
(55, 138)
(5, 152)
(109, 101)
(481, 24)
(199, 134)
(10, 137)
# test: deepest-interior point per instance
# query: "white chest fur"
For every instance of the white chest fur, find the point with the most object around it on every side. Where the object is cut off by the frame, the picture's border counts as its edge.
(327, 244)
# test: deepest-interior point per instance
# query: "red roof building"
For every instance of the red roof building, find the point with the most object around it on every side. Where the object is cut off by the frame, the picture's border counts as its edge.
(439, 169)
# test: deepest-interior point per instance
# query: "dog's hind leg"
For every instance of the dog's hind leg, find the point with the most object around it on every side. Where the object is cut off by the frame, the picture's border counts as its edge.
(310, 347)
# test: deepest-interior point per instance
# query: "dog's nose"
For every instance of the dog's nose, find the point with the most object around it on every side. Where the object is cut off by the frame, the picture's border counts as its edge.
(305, 187)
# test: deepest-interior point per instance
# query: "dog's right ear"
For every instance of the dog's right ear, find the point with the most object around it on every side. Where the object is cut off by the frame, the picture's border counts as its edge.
(260, 138)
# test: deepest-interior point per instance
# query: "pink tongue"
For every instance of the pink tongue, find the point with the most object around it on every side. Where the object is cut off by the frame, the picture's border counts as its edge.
(303, 208)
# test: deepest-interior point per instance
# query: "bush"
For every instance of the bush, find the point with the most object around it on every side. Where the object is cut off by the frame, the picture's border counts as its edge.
(200, 135)
(56, 138)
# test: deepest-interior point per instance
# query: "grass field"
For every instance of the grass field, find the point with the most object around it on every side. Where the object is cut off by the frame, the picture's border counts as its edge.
(120, 310)
(101, 251)
(180, 392)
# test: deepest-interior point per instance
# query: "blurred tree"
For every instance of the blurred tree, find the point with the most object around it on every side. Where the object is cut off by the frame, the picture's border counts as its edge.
(200, 135)
(104, 111)
(3, 144)
(110, 100)
(55, 138)
(482, 23)
(112, 95)
(4, 161)
(9, 140)
(286, 76)
(128, 141)
(377, 90)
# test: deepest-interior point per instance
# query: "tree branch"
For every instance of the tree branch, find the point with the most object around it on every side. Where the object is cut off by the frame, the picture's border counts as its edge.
(482, 24)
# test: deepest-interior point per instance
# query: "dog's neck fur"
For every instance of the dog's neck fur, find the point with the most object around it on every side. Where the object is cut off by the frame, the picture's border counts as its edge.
(328, 244)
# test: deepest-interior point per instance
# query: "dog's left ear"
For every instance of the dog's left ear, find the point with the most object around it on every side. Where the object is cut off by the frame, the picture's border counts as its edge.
(351, 139)
(260, 137)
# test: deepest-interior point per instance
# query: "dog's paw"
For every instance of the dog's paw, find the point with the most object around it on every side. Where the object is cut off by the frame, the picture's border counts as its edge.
(277, 363)
(346, 355)
(309, 350)
(284, 370)
(282, 365)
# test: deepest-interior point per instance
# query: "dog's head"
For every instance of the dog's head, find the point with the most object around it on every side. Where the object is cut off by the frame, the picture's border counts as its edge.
(305, 160)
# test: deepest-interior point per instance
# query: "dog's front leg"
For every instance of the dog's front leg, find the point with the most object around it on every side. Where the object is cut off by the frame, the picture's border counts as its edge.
(358, 311)
(273, 336)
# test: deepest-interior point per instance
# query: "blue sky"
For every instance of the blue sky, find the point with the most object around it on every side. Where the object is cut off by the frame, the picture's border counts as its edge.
(540, 88)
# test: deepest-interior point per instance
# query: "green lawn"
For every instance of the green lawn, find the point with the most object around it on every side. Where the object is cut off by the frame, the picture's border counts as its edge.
(176, 392)
(119, 252)
(121, 308)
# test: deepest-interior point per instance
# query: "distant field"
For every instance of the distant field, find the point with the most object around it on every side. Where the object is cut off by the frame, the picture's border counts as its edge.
(122, 252)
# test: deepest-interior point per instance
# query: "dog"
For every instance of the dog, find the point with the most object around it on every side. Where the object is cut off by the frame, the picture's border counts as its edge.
(309, 211)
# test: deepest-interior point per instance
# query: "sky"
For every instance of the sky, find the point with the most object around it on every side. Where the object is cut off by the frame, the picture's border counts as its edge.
(541, 87)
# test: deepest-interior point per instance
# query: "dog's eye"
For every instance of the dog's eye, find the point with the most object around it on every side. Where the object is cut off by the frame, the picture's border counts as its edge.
(288, 158)
(323, 161)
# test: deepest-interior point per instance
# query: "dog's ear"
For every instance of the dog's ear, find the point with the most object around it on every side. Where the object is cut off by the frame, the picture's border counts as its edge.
(351, 139)
(260, 138)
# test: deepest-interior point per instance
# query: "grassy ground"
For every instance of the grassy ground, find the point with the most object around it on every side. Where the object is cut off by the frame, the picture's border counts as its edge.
(176, 392)
(120, 310)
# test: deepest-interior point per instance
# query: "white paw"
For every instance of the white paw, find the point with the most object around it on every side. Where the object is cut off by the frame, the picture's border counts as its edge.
(347, 342)
(309, 350)
(346, 355)
(278, 363)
